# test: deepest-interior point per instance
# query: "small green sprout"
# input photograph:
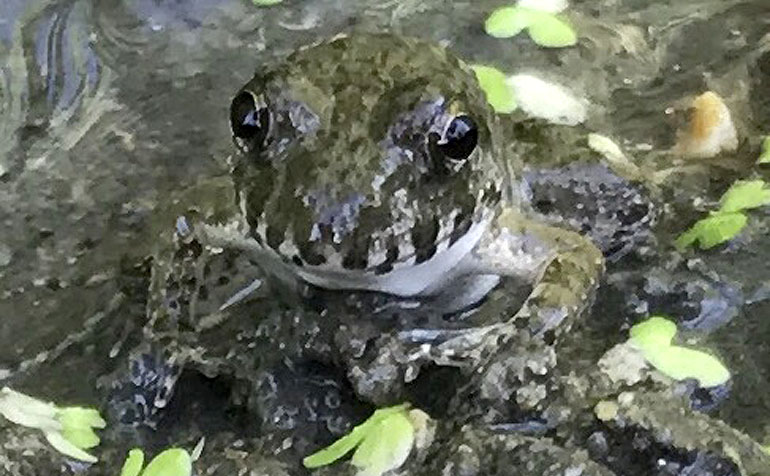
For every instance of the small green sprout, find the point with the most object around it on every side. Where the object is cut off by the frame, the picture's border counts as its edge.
(382, 442)
(133, 464)
(764, 156)
(170, 462)
(745, 195)
(653, 337)
(545, 28)
(493, 82)
(68, 429)
(724, 224)
(714, 230)
(653, 333)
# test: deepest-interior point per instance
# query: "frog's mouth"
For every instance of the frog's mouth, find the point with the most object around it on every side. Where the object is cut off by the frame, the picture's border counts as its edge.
(407, 278)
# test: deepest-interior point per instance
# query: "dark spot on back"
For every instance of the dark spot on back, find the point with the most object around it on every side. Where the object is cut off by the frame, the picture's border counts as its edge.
(357, 256)
(461, 225)
(424, 239)
(390, 257)
(274, 237)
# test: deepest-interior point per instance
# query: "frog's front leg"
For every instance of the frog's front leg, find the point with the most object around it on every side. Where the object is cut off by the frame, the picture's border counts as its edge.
(512, 340)
(565, 268)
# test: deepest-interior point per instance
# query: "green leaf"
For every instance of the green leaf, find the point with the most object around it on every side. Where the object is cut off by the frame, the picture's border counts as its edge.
(653, 333)
(171, 462)
(63, 446)
(744, 195)
(711, 231)
(653, 337)
(764, 156)
(265, 3)
(133, 464)
(507, 22)
(78, 417)
(27, 411)
(550, 31)
(681, 363)
(83, 438)
(344, 445)
(493, 82)
(386, 446)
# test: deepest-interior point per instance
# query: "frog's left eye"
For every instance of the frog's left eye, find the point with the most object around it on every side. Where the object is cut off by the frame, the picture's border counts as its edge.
(249, 121)
(460, 138)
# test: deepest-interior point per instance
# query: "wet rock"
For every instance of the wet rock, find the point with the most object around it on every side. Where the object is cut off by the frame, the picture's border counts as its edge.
(477, 452)
(655, 433)
(699, 301)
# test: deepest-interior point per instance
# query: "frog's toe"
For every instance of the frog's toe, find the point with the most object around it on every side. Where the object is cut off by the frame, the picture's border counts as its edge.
(139, 390)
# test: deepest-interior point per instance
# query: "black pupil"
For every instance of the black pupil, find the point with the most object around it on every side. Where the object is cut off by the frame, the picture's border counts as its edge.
(245, 120)
(460, 138)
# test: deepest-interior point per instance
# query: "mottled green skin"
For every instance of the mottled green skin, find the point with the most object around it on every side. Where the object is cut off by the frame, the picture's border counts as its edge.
(346, 193)
(347, 179)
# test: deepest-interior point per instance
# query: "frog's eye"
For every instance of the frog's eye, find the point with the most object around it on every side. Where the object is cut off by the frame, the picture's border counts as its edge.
(249, 121)
(460, 138)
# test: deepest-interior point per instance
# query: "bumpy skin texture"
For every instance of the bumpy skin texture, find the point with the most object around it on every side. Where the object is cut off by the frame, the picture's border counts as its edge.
(593, 200)
(349, 154)
(348, 177)
(350, 187)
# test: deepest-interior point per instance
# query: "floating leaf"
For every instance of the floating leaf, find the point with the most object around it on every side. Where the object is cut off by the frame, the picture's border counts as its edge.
(654, 335)
(550, 31)
(507, 22)
(133, 464)
(69, 429)
(546, 100)
(27, 411)
(83, 438)
(744, 195)
(63, 446)
(681, 363)
(764, 156)
(171, 462)
(653, 332)
(344, 445)
(493, 82)
(711, 231)
(550, 6)
(386, 446)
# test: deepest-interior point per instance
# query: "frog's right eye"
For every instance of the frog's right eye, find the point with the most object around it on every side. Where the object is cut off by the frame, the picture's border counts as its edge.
(249, 121)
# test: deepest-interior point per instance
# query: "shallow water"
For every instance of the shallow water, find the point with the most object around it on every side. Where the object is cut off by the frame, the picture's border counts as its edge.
(107, 107)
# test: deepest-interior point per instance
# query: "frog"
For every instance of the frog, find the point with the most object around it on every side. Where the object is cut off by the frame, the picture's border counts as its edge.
(371, 221)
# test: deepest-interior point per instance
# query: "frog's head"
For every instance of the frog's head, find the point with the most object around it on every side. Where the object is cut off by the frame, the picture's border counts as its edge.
(367, 162)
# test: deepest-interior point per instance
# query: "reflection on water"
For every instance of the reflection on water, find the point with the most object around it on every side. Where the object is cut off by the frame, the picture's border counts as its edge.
(108, 106)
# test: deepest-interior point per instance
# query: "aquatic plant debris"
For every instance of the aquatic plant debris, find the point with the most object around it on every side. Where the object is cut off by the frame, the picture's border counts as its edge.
(545, 28)
(383, 443)
(714, 230)
(265, 3)
(546, 100)
(134, 463)
(764, 155)
(68, 429)
(745, 195)
(709, 131)
(653, 337)
(725, 223)
(170, 462)
(493, 81)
